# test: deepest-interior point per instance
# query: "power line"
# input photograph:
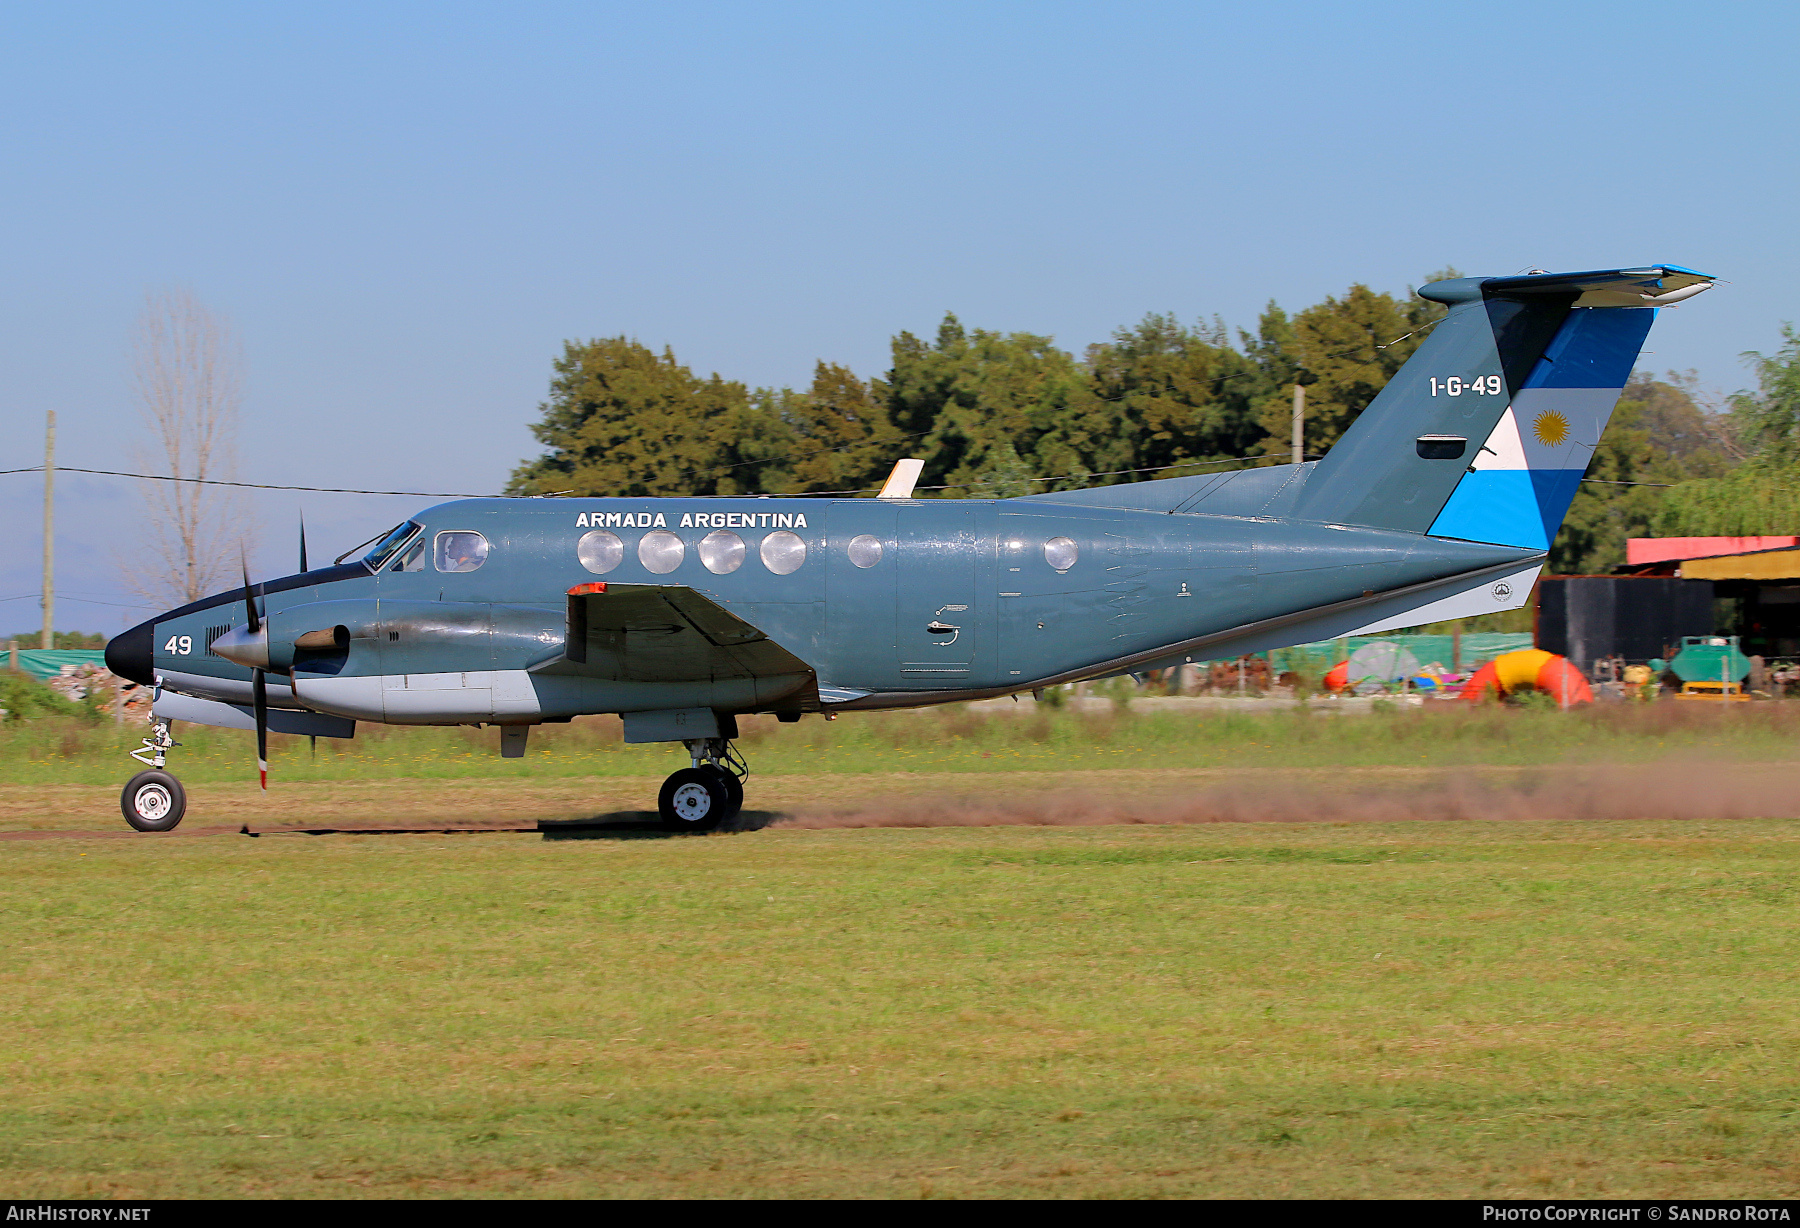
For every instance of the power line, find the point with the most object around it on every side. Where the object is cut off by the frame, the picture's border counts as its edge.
(329, 490)
(123, 605)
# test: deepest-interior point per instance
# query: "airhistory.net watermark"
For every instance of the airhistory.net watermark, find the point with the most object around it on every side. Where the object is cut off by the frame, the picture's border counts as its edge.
(50, 1213)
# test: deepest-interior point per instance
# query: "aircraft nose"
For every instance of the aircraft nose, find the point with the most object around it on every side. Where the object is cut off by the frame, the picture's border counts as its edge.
(128, 653)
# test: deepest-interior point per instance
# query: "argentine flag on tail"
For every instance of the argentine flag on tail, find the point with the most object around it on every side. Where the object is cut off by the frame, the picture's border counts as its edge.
(1522, 479)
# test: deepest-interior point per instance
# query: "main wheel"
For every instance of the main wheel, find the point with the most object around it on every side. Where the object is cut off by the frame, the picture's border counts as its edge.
(693, 799)
(734, 790)
(153, 801)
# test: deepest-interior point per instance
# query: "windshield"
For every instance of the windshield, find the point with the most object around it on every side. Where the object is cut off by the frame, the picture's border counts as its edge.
(387, 545)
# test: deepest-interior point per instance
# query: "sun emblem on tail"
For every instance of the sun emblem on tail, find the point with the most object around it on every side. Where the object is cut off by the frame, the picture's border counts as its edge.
(1551, 428)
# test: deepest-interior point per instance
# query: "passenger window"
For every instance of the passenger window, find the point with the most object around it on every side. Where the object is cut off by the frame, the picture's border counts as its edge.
(722, 551)
(460, 551)
(600, 551)
(865, 551)
(413, 559)
(783, 552)
(660, 551)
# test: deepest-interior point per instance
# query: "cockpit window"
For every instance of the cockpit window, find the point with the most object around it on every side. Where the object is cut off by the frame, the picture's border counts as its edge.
(414, 557)
(460, 551)
(387, 545)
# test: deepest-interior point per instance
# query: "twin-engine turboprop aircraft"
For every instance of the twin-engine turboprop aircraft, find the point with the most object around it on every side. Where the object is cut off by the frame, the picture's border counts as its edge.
(680, 614)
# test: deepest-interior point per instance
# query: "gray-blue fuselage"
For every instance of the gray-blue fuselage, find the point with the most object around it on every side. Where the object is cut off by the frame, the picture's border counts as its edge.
(889, 603)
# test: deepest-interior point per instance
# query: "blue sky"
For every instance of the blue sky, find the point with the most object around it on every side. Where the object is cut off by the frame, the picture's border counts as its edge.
(404, 209)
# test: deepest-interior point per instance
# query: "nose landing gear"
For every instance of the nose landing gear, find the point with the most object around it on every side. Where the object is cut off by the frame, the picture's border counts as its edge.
(154, 800)
(706, 795)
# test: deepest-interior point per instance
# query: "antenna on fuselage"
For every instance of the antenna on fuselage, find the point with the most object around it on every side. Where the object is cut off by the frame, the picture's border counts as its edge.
(900, 482)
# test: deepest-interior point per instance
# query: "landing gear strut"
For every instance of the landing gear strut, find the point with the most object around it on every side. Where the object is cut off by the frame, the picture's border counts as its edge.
(711, 792)
(154, 800)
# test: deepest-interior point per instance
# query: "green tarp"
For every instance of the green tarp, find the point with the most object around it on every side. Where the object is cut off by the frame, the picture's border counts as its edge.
(43, 663)
(1478, 648)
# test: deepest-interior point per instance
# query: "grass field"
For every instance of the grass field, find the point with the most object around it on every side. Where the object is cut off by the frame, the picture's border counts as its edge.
(1419, 1009)
(1107, 983)
(954, 739)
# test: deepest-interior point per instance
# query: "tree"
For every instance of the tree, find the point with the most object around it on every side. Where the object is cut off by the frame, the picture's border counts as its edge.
(624, 420)
(975, 405)
(1612, 506)
(1762, 495)
(1155, 396)
(840, 431)
(1344, 350)
(189, 382)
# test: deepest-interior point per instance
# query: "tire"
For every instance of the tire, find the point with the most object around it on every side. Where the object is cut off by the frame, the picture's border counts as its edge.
(153, 801)
(693, 799)
(734, 791)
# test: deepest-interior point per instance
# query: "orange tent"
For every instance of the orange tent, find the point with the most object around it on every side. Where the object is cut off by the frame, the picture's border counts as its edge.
(1529, 669)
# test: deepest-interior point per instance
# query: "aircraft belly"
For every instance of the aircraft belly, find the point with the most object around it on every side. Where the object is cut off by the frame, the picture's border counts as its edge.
(426, 699)
(511, 695)
(226, 690)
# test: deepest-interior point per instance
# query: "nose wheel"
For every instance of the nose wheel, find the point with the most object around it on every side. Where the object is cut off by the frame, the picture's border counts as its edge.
(153, 801)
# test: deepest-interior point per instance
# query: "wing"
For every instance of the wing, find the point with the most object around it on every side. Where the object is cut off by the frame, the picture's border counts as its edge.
(670, 633)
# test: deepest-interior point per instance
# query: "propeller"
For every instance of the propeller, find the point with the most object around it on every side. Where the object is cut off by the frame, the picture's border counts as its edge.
(313, 742)
(259, 687)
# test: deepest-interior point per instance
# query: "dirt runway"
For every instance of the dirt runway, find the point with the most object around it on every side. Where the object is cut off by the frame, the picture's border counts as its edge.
(1382, 794)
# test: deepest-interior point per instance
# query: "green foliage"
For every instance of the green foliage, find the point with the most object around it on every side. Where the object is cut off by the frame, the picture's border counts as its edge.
(990, 413)
(840, 433)
(997, 414)
(1344, 350)
(1157, 395)
(977, 403)
(624, 420)
(1763, 495)
(59, 639)
(25, 699)
(1658, 439)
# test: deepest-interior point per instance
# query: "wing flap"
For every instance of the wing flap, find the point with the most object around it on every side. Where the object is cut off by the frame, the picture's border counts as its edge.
(667, 633)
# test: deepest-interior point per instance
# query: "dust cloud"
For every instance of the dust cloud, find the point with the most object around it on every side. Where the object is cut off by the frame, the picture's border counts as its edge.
(1674, 791)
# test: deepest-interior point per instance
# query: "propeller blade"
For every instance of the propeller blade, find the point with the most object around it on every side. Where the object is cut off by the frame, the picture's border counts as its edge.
(259, 690)
(252, 619)
(302, 541)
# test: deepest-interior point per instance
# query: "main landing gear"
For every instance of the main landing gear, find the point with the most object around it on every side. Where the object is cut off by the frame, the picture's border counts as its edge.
(154, 800)
(708, 794)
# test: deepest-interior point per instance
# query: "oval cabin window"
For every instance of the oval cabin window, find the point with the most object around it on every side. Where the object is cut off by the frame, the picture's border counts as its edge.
(865, 551)
(722, 552)
(1061, 553)
(660, 552)
(783, 552)
(600, 551)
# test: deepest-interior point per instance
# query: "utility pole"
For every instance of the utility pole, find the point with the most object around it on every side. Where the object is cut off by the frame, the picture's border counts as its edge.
(1299, 423)
(48, 638)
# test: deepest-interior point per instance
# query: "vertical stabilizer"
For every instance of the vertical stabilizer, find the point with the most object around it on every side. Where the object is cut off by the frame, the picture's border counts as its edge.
(1486, 431)
(1523, 477)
